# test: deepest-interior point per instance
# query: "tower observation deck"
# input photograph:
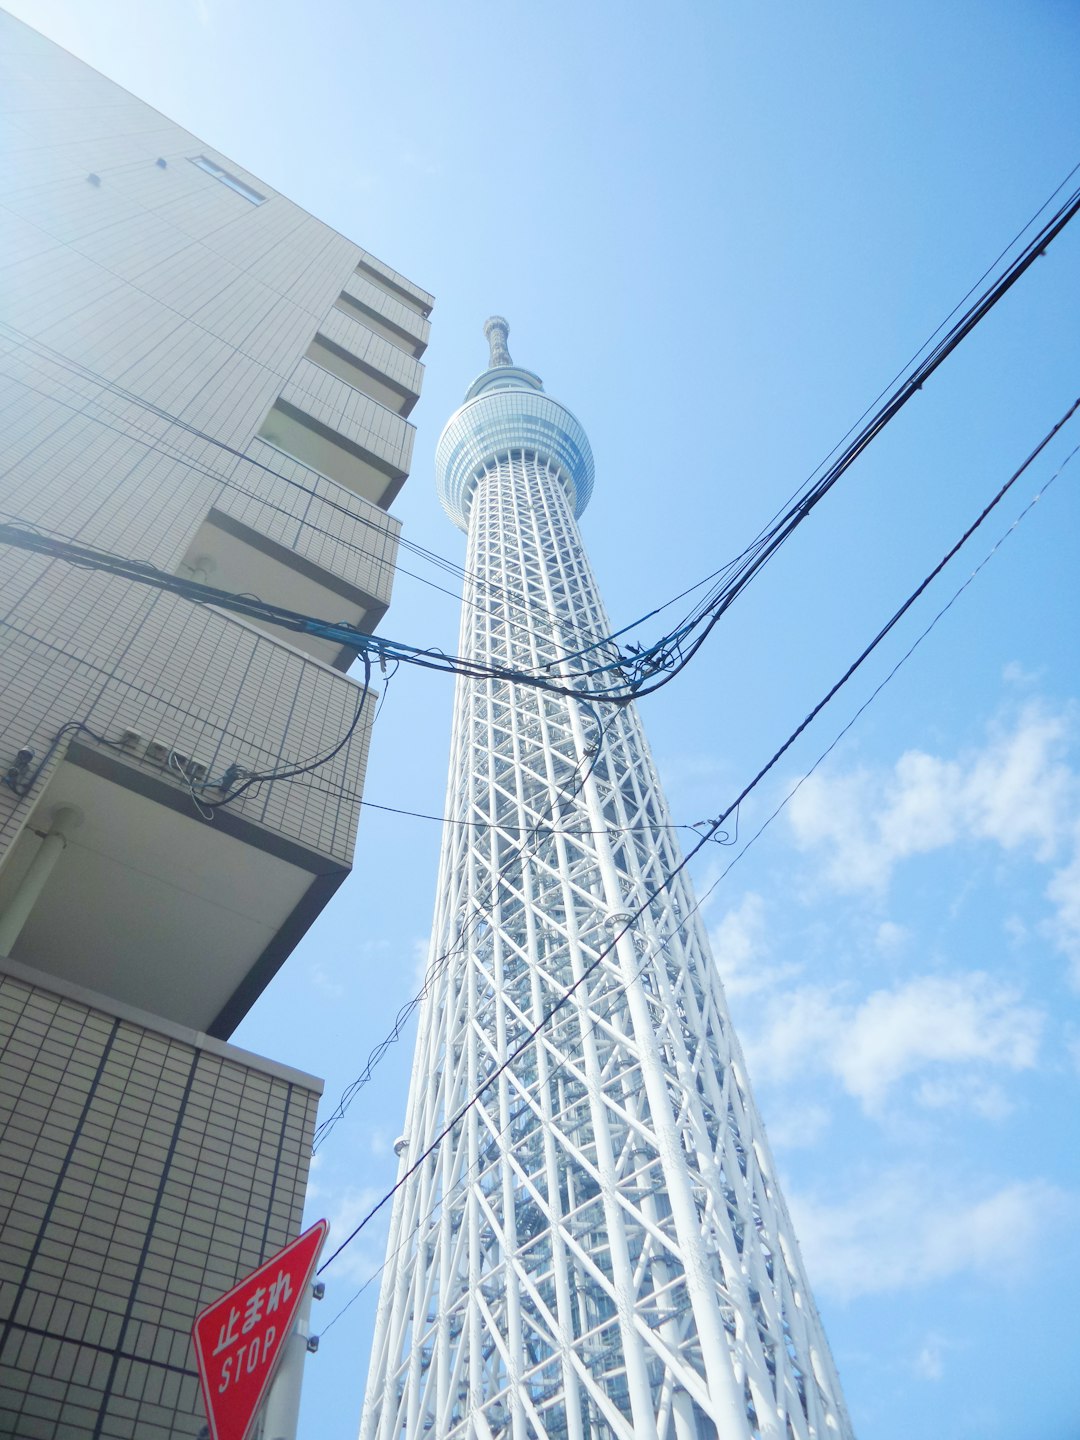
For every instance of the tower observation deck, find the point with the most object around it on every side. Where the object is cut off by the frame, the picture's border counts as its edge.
(597, 1247)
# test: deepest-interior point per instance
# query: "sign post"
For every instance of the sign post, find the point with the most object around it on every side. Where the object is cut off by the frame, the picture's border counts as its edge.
(242, 1338)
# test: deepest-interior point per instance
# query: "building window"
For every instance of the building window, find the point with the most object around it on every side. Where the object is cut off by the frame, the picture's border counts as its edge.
(213, 168)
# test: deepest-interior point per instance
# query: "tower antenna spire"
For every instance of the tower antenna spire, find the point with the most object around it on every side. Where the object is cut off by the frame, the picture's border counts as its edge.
(497, 329)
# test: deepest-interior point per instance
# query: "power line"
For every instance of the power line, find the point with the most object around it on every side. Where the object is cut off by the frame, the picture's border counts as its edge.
(668, 653)
(510, 829)
(341, 632)
(638, 665)
(769, 765)
(710, 889)
(895, 379)
(27, 537)
(614, 990)
(891, 674)
(160, 445)
(535, 836)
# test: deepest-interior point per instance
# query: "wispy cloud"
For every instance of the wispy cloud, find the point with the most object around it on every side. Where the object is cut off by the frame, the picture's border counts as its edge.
(906, 1229)
(741, 950)
(1064, 927)
(1016, 791)
(345, 1209)
(929, 1363)
(924, 1030)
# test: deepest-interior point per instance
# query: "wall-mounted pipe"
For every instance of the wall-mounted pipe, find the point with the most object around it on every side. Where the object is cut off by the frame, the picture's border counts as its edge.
(65, 819)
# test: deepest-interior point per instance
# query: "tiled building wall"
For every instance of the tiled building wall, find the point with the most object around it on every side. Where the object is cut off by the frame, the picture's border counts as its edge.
(152, 312)
(150, 317)
(202, 682)
(141, 1175)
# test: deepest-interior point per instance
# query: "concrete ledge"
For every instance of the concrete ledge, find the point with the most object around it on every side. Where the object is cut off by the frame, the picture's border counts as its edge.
(195, 1038)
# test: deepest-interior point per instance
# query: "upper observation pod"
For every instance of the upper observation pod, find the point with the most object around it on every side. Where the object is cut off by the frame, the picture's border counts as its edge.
(506, 410)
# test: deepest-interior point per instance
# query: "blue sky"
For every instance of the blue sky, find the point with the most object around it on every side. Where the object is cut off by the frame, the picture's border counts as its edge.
(718, 231)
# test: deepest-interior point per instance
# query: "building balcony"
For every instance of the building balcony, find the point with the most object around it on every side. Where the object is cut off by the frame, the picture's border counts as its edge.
(397, 284)
(388, 316)
(327, 424)
(327, 554)
(152, 902)
(352, 351)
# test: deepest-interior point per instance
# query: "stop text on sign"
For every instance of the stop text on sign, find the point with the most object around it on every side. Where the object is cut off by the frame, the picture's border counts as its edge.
(240, 1338)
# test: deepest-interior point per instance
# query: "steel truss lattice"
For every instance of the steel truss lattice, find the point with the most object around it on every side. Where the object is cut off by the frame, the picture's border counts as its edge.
(599, 1248)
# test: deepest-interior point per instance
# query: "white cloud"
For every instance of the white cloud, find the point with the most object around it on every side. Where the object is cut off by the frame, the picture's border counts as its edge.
(1064, 892)
(965, 1092)
(1016, 791)
(1019, 790)
(422, 958)
(798, 1126)
(906, 1229)
(738, 945)
(890, 937)
(927, 1028)
(803, 1028)
(934, 1019)
(741, 950)
(1015, 674)
(362, 1257)
(929, 1363)
(326, 984)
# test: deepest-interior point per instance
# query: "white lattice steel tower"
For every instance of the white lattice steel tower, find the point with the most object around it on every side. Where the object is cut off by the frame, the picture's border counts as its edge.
(599, 1247)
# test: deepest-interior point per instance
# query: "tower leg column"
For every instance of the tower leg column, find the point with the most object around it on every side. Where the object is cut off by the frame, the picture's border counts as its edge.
(730, 1408)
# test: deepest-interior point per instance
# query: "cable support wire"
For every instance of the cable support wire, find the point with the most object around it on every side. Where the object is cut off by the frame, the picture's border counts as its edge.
(482, 906)
(614, 990)
(621, 986)
(158, 444)
(668, 655)
(636, 666)
(714, 826)
(577, 831)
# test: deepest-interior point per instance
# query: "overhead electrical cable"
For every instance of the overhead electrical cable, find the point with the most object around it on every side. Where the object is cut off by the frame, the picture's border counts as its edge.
(338, 632)
(730, 809)
(889, 676)
(491, 824)
(160, 444)
(674, 650)
(704, 895)
(667, 657)
(28, 537)
(481, 910)
(615, 989)
(894, 381)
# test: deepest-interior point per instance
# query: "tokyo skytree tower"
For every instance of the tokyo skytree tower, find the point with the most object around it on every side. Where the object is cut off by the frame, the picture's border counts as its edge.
(597, 1247)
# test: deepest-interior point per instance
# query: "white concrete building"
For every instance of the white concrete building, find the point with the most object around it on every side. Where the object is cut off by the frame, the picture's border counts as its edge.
(195, 373)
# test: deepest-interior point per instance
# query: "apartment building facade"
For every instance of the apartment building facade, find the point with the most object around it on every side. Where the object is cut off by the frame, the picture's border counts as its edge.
(198, 375)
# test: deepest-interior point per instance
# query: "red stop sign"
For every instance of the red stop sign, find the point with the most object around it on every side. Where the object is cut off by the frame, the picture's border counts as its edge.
(240, 1338)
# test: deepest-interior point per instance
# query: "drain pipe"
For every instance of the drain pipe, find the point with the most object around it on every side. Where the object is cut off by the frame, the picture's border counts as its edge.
(65, 819)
